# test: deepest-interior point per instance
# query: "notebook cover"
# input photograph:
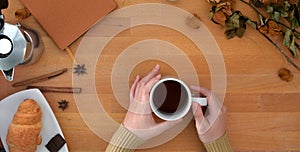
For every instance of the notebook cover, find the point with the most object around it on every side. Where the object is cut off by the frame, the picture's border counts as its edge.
(67, 20)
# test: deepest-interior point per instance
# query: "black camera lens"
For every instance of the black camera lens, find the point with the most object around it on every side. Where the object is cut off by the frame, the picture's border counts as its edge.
(6, 46)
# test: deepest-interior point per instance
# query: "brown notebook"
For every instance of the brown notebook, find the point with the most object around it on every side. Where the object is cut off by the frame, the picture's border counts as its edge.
(67, 20)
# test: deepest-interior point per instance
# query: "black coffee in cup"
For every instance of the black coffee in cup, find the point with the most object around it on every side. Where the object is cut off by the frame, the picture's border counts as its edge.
(170, 96)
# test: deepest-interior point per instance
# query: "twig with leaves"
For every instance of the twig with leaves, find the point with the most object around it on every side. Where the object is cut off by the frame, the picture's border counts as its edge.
(279, 13)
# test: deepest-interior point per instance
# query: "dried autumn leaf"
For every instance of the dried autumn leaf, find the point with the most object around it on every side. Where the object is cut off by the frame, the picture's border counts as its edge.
(285, 75)
(227, 11)
(219, 17)
(263, 29)
(273, 28)
(22, 13)
(225, 7)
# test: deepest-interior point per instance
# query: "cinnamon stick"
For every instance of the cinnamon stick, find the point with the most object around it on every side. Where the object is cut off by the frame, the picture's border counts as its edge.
(40, 78)
(56, 89)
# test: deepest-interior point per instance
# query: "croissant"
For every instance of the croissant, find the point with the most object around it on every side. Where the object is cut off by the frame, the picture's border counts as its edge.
(24, 131)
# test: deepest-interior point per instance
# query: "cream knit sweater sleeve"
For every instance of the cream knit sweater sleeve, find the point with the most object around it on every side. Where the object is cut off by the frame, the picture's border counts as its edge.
(125, 141)
(220, 145)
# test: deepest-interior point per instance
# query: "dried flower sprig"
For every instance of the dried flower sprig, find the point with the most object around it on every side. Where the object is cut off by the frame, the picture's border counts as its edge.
(224, 14)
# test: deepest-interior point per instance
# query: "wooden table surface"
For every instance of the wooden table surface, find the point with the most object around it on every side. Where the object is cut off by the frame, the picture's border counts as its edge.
(263, 111)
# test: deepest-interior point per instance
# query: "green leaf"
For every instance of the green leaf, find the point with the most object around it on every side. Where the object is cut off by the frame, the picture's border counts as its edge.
(233, 21)
(212, 12)
(276, 16)
(289, 42)
(293, 48)
(210, 15)
(236, 25)
(218, 9)
(286, 41)
(230, 33)
(269, 9)
(240, 32)
(292, 18)
(284, 14)
(251, 23)
(287, 5)
(232, 24)
(294, 23)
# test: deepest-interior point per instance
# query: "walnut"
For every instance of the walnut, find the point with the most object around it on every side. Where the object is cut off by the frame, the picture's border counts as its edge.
(285, 75)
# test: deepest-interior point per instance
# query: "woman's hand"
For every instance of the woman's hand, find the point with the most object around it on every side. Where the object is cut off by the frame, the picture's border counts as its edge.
(139, 118)
(210, 126)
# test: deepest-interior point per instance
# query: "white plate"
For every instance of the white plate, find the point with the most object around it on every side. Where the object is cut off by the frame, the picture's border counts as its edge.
(9, 106)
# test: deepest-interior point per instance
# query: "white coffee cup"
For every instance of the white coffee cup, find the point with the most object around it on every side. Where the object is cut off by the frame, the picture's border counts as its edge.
(171, 99)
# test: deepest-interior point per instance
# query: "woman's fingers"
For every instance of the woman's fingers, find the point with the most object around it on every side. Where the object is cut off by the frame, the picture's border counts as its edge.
(144, 92)
(201, 90)
(150, 75)
(141, 92)
(151, 83)
(197, 111)
(195, 88)
(133, 87)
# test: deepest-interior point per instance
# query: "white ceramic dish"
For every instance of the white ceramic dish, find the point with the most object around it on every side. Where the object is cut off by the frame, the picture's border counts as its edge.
(9, 106)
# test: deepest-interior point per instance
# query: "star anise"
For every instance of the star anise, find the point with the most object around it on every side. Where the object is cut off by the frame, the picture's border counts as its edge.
(80, 69)
(63, 104)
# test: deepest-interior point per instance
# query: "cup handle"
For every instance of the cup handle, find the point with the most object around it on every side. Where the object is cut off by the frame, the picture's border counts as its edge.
(199, 100)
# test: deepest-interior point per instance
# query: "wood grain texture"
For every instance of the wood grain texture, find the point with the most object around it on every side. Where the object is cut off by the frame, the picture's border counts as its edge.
(263, 111)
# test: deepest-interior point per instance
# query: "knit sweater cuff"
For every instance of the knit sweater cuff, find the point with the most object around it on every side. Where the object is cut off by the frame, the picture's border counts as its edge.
(124, 140)
(220, 145)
